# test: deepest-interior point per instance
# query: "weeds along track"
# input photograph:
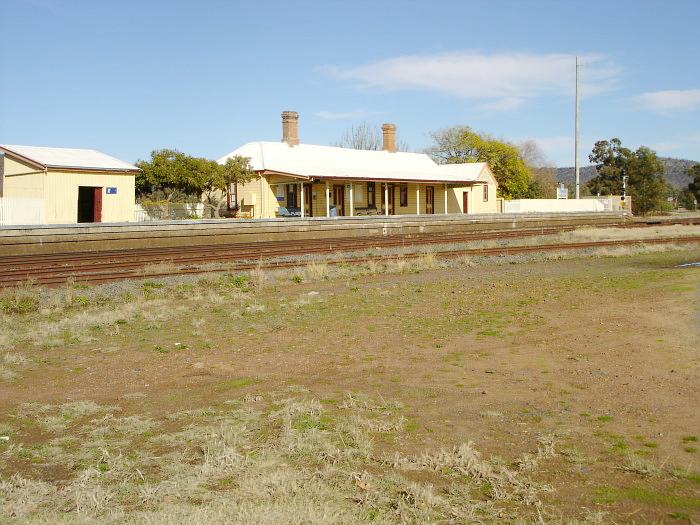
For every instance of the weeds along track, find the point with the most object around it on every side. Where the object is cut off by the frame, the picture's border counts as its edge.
(106, 266)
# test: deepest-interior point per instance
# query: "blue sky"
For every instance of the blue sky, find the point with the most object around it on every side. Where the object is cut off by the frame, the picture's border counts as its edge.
(126, 77)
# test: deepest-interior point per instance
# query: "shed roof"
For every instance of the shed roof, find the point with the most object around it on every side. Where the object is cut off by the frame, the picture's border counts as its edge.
(68, 158)
(307, 160)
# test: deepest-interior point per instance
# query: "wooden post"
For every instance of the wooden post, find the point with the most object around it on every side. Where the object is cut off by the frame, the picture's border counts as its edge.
(303, 202)
(328, 200)
(352, 199)
(386, 199)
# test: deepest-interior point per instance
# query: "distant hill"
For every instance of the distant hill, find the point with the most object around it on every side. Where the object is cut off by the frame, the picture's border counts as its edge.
(676, 172)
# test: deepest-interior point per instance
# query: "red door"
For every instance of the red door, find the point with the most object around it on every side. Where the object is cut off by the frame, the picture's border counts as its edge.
(429, 199)
(465, 202)
(97, 205)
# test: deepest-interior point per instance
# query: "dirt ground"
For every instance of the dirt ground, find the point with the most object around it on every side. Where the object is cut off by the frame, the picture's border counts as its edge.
(577, 380)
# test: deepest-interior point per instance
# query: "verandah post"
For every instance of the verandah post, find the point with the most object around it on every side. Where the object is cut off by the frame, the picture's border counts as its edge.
(386, 198)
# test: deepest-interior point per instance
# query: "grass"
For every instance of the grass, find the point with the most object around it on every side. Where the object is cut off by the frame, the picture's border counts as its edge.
(608, 495)
(240, 382)
(252, 448)
(275, 466)
(20, 300)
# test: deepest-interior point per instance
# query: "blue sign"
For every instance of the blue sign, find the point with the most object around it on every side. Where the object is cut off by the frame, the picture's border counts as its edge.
(111, 191)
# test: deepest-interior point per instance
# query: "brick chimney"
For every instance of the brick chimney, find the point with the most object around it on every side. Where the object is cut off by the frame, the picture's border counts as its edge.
(290, 127)
(389, 135)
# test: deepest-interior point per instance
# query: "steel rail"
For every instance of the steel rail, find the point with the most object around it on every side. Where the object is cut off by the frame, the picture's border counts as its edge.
(33, 266)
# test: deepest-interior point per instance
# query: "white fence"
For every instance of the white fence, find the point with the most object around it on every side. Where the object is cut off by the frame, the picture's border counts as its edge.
(18, 211)
(168, 211)
(591, 204)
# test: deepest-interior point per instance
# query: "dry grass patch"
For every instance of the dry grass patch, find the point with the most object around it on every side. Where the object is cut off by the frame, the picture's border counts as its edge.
(294, 462)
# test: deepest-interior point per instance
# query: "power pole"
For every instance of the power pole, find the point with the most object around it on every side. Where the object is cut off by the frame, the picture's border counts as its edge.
(576, 139)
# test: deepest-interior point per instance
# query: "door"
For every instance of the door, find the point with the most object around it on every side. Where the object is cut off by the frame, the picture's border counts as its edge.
(465, 202)
(292, 196)
(339, 199)
(97, 208)
(309, 201)
(391, 198)
(429, 199)
(89, 204)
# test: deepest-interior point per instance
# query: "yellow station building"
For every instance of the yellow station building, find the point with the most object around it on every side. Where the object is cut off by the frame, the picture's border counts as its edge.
(325, 181)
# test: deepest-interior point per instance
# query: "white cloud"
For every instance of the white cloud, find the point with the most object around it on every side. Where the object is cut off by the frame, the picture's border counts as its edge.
(343, 115)
(670, 100)
(500, 79)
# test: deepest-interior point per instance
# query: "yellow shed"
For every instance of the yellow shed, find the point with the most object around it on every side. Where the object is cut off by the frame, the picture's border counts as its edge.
(72, 185)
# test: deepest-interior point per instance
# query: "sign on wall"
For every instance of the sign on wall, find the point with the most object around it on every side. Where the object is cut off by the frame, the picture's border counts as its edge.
(111, 191)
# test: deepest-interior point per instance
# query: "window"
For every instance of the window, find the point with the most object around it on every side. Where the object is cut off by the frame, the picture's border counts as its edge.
(370, 195)
(486, 192)
(359, 195)
(403, 195)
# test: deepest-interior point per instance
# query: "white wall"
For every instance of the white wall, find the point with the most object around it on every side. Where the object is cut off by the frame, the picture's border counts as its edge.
(552, 205)
(19, 211)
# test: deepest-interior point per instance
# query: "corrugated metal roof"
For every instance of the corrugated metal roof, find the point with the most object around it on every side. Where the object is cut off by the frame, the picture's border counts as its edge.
(69, 158)
(308, 160)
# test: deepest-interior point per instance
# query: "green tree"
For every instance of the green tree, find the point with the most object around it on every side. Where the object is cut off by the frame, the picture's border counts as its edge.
(648, 187)
(610, 159)
(173, 176)
(461, 144)
(685, 198)
(165, 177)
(645, 182)
(215, 180)
(694, 186)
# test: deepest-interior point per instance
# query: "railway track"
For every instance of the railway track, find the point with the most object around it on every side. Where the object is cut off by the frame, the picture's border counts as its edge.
(102, 267)
(53, 267)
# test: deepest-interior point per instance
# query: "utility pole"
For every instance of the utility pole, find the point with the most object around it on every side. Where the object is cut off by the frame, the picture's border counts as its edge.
(576, 139)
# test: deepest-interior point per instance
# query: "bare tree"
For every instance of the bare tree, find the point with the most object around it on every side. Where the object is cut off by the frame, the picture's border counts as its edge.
(544, 174)
(367, 137)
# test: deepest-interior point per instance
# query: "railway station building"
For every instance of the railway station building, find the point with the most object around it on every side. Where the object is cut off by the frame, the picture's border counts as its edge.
(70, 185)
(326, 181)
